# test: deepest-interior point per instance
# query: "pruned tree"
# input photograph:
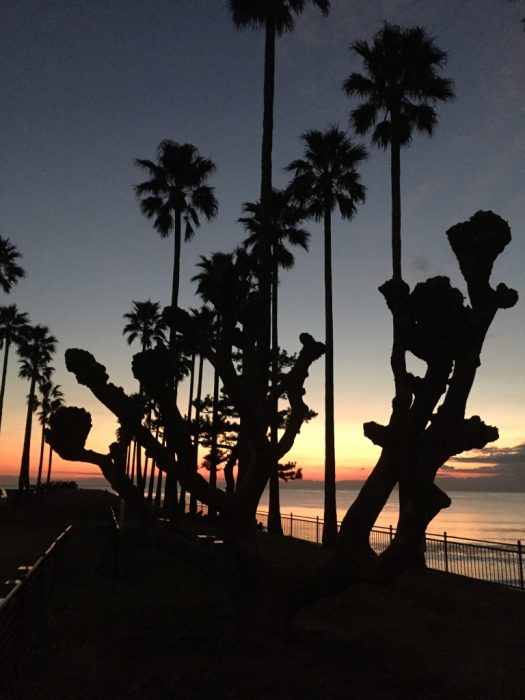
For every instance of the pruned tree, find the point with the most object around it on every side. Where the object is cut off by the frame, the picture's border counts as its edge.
(428, 426)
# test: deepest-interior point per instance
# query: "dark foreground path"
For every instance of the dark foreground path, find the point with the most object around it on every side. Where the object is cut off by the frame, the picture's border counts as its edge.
(159, 630)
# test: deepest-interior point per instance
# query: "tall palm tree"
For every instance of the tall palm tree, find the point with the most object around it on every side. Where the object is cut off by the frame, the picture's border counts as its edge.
(175, 192)
(10, 270)
(323, 180)
(276, 17)
(13, 324)
(145, 324)
(51, 398)
(284, 228)
(401, 87)
(35, 354)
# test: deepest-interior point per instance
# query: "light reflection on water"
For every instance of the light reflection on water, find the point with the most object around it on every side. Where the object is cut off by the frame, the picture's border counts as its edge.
(498, 517)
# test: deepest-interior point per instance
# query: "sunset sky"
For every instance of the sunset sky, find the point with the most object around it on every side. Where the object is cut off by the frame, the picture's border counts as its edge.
(88, 87)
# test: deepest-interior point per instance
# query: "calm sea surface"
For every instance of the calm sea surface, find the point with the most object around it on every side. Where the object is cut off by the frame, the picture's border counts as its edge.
(498, 517)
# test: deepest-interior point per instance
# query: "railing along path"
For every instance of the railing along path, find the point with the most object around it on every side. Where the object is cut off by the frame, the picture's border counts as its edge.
(21, 610)
(495, 562)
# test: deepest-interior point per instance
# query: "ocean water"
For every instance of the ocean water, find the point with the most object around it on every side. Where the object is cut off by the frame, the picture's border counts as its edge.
(497, 517)
(489, 516)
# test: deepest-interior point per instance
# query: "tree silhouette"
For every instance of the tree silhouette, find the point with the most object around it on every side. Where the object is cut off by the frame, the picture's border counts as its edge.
(35, 353)
(51, 398)
(437, 326)
(13, 325)
(401, 86)
(323, 180)
(276, 17)
(284, 229)
(146, 324)
(10, 270)
(175, 192)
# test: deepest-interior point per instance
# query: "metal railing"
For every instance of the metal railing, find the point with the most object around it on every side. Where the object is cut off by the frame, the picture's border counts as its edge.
(495, 562)
(23, 606)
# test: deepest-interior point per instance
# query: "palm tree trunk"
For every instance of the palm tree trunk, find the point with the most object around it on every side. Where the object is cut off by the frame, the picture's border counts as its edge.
(266, 206)
(214, 435)
(330, 510)
(395, 176)
(41, 460)
(4, 376)
(198, 398)
(158, 491)
(49, 464)
(23, 479)
(182, 497)
(176, 272)
(274, 509)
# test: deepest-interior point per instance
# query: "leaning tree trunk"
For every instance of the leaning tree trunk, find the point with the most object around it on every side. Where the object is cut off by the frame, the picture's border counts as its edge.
(23, 480)
(330, 509)
(4, 377)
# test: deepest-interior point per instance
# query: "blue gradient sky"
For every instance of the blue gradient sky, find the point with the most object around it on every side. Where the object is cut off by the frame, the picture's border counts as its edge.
(87, 87)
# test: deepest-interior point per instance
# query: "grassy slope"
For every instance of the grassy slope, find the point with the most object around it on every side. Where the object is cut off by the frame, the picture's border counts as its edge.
(160, 630)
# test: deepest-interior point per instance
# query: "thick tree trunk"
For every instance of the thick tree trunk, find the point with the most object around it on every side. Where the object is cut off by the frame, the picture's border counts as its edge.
(330, 509)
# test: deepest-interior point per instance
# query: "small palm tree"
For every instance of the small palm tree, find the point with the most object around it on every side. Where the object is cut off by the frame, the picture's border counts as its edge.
(401, 87)
(51, 398)
(13, 324)
(10, 270)
(175, 192)
(145, 324)
(35, 354)
(326, 178)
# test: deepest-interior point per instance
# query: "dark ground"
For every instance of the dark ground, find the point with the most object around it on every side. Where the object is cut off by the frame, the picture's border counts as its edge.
(160, 630)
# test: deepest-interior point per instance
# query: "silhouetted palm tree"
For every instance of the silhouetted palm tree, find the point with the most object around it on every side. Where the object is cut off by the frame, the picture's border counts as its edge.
(177, 192)
(13, 324)
(401, 86)
(216, 284)
(145, 324)
(284, 228)
(51, 398)
(10, 270)
(323, 180)
(276, 17)
(35, 354)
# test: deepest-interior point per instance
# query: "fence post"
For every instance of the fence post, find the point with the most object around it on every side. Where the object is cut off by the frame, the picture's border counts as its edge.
(317, 529)
(390, 531)
(520, 562)
(291, 524)
(445, 550)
